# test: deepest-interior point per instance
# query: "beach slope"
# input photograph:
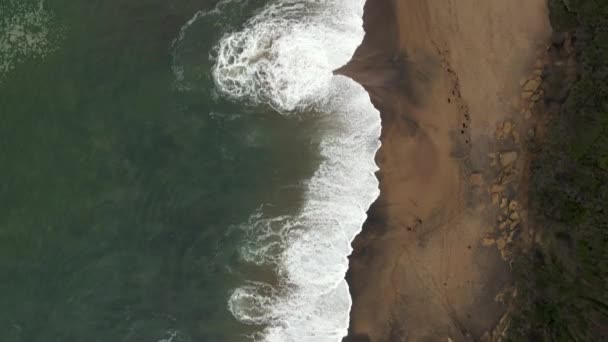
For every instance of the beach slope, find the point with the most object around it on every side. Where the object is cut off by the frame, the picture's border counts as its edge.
(443, 74)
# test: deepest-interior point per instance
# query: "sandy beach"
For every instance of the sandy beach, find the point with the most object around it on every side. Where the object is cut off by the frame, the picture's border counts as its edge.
(447, 77)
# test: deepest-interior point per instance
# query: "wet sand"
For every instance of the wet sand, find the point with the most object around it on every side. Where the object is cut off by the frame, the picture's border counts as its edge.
(443, 74)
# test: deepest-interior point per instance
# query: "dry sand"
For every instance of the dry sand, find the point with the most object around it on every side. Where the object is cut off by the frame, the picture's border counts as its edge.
(443, 73)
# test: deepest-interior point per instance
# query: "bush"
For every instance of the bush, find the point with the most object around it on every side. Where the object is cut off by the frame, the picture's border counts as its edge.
(562, 280)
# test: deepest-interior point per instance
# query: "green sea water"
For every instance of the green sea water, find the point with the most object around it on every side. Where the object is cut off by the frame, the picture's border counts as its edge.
(122, 189)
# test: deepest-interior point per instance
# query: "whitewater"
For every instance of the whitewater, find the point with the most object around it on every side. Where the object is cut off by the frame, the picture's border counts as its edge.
(284, 57)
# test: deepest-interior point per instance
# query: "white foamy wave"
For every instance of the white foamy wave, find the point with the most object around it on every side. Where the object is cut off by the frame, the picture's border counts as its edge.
(284, 57)
(26, 31)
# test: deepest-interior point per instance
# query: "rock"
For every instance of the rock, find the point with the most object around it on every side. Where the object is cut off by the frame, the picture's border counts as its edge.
(535, 97)
(510, 238)
(476, 179)
(507, 127)
(492, 157)
(495, 199)
(487, 242)
(514, 225)
(531, 133)
(507, 158)
(507, 178)
(498, 133)
(513, 205)
(497, 188)
(515, 137)
(532, 85)
(503, 225)
(514, 216)
(503, 202)
(527, 114)
(501, 243)
(522, 81)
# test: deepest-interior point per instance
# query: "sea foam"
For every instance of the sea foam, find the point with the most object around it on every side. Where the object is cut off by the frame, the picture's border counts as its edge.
(27, 31)
(284, 57)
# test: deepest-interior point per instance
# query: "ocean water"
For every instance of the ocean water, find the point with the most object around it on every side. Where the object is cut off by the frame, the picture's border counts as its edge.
(180, 170)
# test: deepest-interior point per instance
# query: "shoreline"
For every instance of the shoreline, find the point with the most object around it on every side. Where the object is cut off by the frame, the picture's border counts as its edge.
(444, 78)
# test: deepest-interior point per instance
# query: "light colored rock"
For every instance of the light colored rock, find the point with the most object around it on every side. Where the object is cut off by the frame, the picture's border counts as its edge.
(498, 133)
(487, 242)
(501, 243)
(503, 225)
(495, 199)
(507, 158)
(503, 202)
(493, 158)
(514, 216)
(532, 85)
(535, 97)
(513, 205)
(507, 127)
(510, 239)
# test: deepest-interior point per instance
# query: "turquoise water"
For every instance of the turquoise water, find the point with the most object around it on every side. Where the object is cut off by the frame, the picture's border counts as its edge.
(180, 170)
(120, 194)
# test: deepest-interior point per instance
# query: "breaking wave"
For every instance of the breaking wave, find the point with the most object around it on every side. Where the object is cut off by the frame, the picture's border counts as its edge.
(284, 57)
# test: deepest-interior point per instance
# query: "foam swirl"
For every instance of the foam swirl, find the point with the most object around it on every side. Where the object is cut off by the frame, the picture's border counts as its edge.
(284, 57)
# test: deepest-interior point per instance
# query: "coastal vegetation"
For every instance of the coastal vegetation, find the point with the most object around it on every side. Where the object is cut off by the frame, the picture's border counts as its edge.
(562, 277)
